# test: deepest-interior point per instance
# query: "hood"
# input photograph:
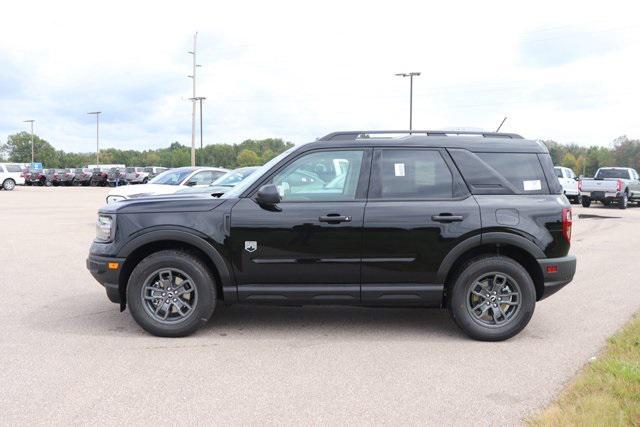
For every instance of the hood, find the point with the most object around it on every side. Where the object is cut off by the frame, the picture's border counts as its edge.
(146, 189)
(158, 204)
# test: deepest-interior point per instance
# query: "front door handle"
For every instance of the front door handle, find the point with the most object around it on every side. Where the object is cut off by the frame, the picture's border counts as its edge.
(334, 218)
(447, 217)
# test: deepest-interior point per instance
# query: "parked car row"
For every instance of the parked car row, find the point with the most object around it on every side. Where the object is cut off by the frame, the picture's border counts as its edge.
(111, 175)
(610, 185)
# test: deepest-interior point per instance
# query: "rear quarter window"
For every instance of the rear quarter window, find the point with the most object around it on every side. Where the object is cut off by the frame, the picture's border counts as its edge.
(504, 173)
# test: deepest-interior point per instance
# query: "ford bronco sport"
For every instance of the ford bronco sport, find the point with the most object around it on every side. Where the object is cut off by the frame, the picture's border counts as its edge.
(474, 222)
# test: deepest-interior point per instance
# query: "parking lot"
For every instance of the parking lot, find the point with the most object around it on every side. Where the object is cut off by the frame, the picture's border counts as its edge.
(69, 356)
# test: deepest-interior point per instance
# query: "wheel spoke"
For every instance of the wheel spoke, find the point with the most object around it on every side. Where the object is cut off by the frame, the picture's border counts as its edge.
(166, 278)
(498, 282)
(496, 314)
(184, 288)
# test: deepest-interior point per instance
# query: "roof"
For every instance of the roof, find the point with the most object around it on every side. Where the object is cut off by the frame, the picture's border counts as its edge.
(473, 141)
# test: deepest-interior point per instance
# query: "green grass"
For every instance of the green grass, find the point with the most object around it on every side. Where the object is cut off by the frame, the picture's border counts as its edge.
(606, 391)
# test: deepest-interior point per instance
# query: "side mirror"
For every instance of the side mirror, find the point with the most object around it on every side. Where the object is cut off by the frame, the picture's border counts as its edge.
(577, 178)
(268, 196)
(191, 183)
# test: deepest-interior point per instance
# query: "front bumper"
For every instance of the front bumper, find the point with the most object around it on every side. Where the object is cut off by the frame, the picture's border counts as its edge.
(101, 268)
(557, 272)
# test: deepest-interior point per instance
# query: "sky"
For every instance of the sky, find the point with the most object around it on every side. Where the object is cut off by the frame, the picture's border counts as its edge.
(567, 71)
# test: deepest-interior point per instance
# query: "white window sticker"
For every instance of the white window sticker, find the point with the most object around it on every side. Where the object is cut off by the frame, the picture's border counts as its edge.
(532, 185)
(399, 169)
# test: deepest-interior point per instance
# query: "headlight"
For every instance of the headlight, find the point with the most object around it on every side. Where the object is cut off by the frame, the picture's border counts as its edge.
(113, 199)
(104, 228)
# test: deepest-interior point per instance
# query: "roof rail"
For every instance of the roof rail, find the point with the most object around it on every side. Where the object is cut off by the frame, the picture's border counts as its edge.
(354, 134)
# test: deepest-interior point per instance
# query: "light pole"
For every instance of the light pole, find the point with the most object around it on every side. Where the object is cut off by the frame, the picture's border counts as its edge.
(31, 121)
(193, 98)
(200, 99)
(97, 114)
(410, 75)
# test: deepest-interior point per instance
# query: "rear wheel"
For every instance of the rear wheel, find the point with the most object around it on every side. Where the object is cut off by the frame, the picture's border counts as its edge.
(492, 298)
(586, 202)
(171, 293)
(624, 201)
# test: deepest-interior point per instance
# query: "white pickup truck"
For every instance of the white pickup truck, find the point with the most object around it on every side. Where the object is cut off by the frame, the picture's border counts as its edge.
(569, 182)
(619, 185)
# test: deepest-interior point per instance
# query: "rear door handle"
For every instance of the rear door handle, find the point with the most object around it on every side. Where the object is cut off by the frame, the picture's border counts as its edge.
(334, 218)
(447, 218)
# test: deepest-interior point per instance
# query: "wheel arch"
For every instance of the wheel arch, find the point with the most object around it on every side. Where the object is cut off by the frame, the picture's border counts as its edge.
(515, 247)
(142, 246)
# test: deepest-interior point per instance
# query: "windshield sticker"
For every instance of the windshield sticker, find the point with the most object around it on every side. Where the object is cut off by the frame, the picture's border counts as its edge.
(533, 185)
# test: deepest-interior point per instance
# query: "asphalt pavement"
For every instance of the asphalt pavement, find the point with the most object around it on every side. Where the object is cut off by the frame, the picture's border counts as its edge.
(68, 355)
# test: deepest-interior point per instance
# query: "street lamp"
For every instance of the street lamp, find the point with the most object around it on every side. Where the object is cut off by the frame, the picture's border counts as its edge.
(410, 75)
(31, 121)
(200, 99)
(97, 114)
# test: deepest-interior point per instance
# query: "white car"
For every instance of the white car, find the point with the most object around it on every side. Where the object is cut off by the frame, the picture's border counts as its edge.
(10, 176)
(569, 183)
(168, 182)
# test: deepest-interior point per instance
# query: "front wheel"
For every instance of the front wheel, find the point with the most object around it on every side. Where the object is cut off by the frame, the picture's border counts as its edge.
(586, 202)
(171, 293)
(9, 184)
(492, 298)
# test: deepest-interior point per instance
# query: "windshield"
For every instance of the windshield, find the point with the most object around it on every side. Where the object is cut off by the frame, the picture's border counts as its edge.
(240, 188)
(232, 178)
(171, 177)
(612, 173)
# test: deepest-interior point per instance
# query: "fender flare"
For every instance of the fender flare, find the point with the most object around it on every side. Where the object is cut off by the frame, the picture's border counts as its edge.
(483, 239)
(228, 287)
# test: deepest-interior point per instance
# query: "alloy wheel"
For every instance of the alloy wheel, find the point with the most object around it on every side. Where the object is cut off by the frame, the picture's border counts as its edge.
(169, 295)
(494, 299)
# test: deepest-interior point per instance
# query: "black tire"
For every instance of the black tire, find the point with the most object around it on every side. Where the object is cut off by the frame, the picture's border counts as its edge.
(606, 202)
(623, 202)
(467, 277)
(586, 202)
(183, 262)
(8, 184)
(144, 181)
(93, 183)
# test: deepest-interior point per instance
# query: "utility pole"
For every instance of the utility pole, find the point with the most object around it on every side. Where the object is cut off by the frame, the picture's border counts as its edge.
(193, 100)
(31, 121)
(410, 75)
(200, 99)
(97, 114)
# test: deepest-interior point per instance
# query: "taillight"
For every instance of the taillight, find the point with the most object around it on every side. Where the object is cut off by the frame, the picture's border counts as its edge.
(580, 185)
(567, 223)
(104, 174)
(620, 185)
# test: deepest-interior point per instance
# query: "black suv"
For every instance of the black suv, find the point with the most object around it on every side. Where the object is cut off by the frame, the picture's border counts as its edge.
(475, 222)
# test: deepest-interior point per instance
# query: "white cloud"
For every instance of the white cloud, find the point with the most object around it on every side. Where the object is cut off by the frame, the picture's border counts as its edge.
(297, 70)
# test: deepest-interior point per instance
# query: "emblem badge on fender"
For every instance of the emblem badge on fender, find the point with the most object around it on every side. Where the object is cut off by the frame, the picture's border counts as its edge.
(250, 246)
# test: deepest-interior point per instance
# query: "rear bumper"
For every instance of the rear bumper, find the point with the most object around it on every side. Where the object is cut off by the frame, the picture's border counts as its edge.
(601, 195)
(557, 272)
(98, 266)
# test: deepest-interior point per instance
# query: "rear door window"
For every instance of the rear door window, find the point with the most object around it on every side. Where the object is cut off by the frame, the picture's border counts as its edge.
(414, 174)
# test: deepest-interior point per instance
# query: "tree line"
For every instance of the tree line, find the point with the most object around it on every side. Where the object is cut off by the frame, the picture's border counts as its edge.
(583, 160)
(247, 153)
